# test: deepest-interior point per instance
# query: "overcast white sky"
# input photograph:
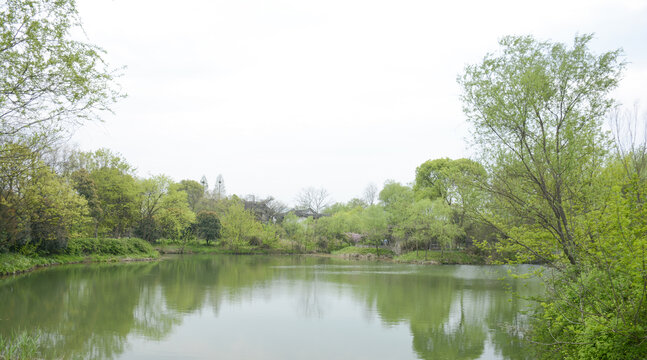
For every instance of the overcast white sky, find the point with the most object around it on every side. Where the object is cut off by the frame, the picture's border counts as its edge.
(279, 95)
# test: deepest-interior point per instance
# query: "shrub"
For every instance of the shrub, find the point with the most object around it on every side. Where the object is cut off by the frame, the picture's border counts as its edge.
(109, 246)
(591, 314)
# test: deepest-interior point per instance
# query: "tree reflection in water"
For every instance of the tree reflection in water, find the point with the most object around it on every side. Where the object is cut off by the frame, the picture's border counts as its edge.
(93, 311)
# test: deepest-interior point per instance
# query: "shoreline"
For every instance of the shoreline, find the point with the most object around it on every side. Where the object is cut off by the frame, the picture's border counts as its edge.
(387, 259)
(57, 260)
(89, 259)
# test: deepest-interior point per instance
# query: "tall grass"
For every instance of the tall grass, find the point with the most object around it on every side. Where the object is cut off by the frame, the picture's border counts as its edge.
(19, 346)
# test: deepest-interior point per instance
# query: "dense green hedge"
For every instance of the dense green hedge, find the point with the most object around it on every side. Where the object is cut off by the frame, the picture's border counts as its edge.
(108, 246)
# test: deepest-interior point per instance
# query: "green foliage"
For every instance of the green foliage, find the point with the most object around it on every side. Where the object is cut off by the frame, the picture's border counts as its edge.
(354, 250)
(79, 250)
(441, 257)
(109, 246)
(449, 180)
(175, 216)
(19, 345)
(117, 192)
(208, 226)
(557, 196)
(194, 192)
(429, 222)
(86, 187)
(374, 225)
(48, 79)
(54, 209)
(456, 182)
(291, 225)
(36, 206)
(597, 310)
(343, 221)
(396, 199)
(536, 110)
(92, 161)
(150, 194)
(592, 314)
(163, 209)
(394, 193)
(240, 228)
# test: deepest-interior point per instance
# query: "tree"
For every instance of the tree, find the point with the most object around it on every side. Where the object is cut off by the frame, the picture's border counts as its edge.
(294, 228)
(559, 195)
(454, 182)
(277, 209)
(47, 79)
(266, 210)
(117, 194)
(194, 191)
(397, 199)
(86, 187)
(343, 223)
(375, 225)
(174, 216)
(313, 201)
(370, 194)
(447, 179)
(208, 225)
(240, 227)
(536, 109)
(151, 193)
(92, 161)
(38, 209)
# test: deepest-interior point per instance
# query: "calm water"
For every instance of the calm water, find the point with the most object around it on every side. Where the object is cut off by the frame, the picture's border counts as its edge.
(254, 307)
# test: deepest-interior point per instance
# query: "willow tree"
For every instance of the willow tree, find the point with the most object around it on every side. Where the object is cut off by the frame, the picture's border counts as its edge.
(536, 109)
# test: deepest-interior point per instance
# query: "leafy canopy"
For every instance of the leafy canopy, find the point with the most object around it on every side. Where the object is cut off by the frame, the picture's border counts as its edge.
(48, 79)
(536, 109)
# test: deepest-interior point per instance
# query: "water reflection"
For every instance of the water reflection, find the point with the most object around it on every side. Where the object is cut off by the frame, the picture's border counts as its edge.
(109, 311)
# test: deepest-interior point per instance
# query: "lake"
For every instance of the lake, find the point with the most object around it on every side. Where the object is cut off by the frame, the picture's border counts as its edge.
(269, 307)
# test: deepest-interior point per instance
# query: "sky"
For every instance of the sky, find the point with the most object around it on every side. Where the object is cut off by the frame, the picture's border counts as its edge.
(281, 95)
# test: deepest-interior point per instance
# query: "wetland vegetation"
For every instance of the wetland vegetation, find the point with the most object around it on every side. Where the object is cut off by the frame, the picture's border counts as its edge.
(550, 186)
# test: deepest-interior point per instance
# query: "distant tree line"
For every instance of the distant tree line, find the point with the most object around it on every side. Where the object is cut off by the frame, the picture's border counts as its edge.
(550, 187)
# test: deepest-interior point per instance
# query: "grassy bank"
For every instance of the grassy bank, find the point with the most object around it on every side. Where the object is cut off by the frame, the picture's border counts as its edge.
(355, 250)
(201, 247)
(205, 249)
(80, 250)
(438, 257)
(432, 256)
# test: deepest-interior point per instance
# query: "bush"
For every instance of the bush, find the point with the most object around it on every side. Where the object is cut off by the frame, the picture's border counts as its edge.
(592, 314)
(108, 246)
(208, 226)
